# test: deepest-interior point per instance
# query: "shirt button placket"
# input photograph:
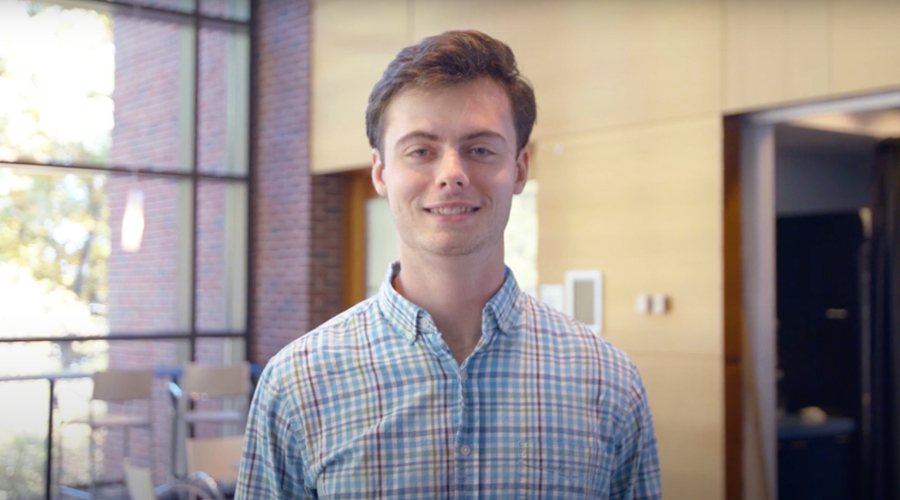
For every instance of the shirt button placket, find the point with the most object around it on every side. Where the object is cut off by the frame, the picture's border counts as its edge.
(464, 450)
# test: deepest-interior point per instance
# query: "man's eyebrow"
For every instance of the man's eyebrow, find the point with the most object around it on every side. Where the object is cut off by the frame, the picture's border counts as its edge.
(481, 134)
(418, 134)
(484, 134)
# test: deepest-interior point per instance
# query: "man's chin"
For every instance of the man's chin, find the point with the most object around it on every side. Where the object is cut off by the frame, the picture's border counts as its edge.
(453, 248)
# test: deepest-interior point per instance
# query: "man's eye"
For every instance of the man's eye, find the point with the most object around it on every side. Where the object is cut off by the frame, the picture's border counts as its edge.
(419, 152)
(481, 151)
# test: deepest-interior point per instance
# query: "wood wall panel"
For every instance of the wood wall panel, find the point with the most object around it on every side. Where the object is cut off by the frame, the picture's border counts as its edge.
(865, 45)
(644, 205)
(600, 63)
(352, 44)
(686, 398)
(776, 51)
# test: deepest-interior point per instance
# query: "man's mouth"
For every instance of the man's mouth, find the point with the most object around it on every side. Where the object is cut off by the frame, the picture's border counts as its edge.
(451, 210)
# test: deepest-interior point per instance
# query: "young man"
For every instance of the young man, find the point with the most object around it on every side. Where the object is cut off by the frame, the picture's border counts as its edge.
(450, 383)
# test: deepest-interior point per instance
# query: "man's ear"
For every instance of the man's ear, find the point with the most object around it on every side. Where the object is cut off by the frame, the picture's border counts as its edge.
(521, 171)
(378, 173)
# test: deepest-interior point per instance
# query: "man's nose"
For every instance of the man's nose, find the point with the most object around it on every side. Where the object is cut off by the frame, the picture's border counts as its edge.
(451, 171)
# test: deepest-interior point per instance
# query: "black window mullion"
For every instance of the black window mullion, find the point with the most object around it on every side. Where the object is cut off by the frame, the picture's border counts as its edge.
(249, 323)
(143, 172)
(195, 169)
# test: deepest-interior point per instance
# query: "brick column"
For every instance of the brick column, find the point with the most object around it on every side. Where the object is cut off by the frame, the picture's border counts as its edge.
(298, 217)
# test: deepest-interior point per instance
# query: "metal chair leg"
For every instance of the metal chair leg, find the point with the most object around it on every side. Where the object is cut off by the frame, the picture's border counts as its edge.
(92, 486)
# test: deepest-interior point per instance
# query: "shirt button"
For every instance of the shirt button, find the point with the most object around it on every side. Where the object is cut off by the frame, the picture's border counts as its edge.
(463, 375)
(465, 450)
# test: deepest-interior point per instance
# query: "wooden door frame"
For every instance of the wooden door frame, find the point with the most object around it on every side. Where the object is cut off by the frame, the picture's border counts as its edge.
(750, 289)
(358, 191)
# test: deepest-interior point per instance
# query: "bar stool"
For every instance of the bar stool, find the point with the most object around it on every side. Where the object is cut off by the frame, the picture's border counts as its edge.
(198, 386)
(214, 462)
(140, 487)
(116, 386)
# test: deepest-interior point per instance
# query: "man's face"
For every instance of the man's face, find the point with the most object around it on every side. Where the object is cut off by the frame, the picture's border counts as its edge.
(450, 168)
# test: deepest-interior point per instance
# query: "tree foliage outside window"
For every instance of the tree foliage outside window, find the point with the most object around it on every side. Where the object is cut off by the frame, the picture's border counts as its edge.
(57, 73)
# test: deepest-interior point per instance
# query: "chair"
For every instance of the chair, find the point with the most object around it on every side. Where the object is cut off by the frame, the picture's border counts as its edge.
(214, 462)
(119, 386)
(140, 487)
(198, 385)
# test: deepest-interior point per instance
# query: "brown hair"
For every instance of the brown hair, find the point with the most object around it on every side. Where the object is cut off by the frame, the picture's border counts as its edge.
(450, 58)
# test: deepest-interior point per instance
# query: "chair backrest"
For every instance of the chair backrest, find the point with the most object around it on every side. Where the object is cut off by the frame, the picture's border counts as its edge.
(216, 381)
(122, 385)
(140, 483)
(218, 457)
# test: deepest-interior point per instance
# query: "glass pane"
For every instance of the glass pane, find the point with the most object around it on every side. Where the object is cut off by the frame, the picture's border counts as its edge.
(215, 351)
(221, 256)
(56, 84)
(55, 242)
(154, 93)
(150, 284)
(219, 352)
(86, 87)
(23, 442)
(224, 99)
(237, 10)
(63, 267)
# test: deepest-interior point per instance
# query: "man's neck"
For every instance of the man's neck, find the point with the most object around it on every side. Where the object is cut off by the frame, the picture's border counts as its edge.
(454, 291)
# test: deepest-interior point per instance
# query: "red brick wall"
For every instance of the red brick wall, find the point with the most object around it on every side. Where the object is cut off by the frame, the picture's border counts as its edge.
(327, 247)
(297, 261)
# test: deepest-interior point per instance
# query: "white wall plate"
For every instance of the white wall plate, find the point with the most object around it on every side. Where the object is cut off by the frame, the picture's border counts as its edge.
(584, 298)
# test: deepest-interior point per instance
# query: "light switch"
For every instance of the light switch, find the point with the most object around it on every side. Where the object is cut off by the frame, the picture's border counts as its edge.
(659, 303)
(642, 303)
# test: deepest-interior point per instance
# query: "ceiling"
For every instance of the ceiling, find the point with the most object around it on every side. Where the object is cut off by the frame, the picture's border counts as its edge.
(789, 137)
(880, 124)
(839, 133)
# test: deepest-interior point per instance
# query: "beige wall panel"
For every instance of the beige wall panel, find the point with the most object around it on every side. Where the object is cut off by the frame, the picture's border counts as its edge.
(644, 205)
(776, 51)
(686, 394)
(600, 63)
(865, 43)
(352, 44)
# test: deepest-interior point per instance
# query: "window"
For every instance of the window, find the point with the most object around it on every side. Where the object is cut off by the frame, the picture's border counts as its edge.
(124, 173)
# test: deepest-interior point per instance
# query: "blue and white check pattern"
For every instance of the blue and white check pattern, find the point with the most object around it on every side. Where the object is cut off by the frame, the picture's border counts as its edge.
(372, 404)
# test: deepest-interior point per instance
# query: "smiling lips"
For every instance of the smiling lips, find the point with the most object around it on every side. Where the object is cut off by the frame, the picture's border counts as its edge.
(451, 210)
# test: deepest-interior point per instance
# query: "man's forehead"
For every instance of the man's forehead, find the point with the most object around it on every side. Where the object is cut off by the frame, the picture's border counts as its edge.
(481, 107)
(480, 88)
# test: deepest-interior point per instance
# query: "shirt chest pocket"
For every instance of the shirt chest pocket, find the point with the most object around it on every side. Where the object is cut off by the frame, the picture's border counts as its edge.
(559, 470)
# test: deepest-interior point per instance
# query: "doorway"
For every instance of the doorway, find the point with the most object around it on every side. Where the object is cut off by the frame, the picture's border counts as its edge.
(760, 211)
(823, 184)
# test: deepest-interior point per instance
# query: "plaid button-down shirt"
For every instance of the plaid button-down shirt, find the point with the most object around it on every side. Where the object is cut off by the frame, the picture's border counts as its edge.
(372, 404)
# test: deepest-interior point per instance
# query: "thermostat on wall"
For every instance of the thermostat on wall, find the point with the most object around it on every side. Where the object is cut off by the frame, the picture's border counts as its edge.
(584, 298)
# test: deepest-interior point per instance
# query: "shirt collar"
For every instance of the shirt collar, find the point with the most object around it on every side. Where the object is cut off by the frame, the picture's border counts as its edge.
(410, 320)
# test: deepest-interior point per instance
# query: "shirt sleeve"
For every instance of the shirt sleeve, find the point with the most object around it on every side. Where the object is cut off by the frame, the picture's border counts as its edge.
(271, 464)
(637, 473)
